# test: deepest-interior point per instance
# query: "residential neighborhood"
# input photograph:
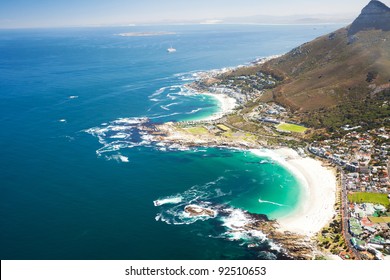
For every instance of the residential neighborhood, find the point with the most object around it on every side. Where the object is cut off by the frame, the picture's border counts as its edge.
(363, 160)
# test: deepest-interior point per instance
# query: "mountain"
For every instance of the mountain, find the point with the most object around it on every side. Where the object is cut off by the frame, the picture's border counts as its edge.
(291, 19)
(374, 16)
(340, 78)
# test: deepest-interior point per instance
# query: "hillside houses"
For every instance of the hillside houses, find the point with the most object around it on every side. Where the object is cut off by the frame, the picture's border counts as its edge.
(365, 155)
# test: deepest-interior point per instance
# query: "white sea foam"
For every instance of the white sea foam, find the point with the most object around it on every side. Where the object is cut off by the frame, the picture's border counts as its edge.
(194, 111)
(172, 207)
(118, 158)
(158, 92)
(168, 200)
(73, 97)
(270, 202)
(172, 104)
(130, 121)
(123, 158)
(164, 116)
(171, 97)
(121, 136)
(236, 219)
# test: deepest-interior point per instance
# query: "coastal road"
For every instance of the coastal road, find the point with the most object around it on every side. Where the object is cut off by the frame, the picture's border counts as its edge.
(345, 216)
(344, 210)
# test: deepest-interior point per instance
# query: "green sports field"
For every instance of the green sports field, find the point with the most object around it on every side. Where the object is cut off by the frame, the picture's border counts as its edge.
(291, 128)
(364, 197)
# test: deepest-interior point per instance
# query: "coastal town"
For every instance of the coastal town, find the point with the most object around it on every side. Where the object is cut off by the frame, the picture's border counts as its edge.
(360, 228)
(362, 159)
(338, 145)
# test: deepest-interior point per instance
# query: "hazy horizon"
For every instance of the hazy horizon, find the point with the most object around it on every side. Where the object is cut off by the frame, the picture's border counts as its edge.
(68, 13)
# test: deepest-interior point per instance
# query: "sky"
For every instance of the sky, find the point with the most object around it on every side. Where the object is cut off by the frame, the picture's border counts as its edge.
(62, 13)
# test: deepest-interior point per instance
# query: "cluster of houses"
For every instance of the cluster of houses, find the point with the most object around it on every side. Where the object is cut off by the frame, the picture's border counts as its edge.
(270, 113)
(370, 229)
(364, 157)
(243, 88)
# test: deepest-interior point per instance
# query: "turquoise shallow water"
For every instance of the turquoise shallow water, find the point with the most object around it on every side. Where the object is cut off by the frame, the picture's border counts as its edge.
(65, 195)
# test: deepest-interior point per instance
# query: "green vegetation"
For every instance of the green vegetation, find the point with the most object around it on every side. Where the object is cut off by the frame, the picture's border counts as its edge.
(371, 112)
(291, 128)
(331, 239)
(324, 92)
(364, 197)
(223, 127)
(198, 130)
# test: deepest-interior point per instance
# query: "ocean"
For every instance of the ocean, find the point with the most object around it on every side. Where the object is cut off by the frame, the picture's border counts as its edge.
(76, 183)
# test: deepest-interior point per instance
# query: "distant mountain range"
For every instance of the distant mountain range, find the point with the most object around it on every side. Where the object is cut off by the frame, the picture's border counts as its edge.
(266, 19)
(340, 78)
(292, 19)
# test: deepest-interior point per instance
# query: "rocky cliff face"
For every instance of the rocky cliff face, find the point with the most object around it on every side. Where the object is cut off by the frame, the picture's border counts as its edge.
(375, 15)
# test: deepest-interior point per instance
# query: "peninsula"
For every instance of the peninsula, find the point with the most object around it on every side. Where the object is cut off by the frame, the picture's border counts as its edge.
(323, 110)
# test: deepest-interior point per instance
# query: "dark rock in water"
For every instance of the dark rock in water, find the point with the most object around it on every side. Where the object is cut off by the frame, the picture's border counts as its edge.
(294, 246)
(259, 217)
(375, 15)
(194, 210)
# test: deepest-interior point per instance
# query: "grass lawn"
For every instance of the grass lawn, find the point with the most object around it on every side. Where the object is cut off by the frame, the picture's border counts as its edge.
(364, 197)
(223, 127)
(291, 128)
(378, 220)
(198, 130)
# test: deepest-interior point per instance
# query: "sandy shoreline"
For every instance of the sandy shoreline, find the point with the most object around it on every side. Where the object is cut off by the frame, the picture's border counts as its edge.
(317, 206)
(318, 198)
(226, 105)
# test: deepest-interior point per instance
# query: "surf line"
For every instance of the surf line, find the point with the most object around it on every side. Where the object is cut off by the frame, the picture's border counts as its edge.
(270, 202)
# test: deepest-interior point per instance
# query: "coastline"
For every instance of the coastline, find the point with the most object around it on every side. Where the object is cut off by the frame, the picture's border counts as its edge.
(226, 105)
(316, 207)
(318, 195)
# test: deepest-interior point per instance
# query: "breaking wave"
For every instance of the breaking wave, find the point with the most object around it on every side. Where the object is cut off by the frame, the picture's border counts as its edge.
(270, 202)
(172, 207)
(229, 221)
(120, 134)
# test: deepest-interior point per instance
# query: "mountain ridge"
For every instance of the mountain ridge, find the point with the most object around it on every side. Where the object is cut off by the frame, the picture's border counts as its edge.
(333, 79)
(375, 15)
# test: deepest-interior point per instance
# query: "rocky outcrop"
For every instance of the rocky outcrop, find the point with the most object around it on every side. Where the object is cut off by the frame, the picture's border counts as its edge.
(375, 15)
(294, 246)
(194, 210)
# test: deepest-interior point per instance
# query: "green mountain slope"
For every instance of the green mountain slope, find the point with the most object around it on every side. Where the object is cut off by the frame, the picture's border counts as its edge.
(338, 78)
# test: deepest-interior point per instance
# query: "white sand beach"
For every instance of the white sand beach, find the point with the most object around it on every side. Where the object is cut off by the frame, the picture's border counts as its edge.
(226, 105)
(317, 207)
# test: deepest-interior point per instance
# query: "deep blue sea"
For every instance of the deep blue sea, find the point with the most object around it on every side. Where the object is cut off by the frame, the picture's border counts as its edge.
(72, 186)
